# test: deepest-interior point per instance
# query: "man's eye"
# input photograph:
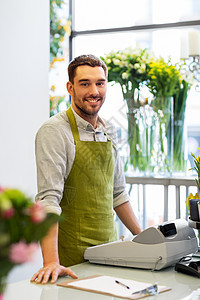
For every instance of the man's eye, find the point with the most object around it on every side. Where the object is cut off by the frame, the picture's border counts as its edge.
(100, 83)
(84, 84)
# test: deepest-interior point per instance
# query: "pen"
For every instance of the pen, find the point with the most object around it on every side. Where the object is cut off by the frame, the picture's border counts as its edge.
(122, 284)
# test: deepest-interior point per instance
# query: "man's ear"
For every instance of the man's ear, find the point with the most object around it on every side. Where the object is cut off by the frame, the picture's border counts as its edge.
(69, 87)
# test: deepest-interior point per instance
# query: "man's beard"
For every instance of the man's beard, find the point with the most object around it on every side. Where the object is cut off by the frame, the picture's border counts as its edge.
(86, 111)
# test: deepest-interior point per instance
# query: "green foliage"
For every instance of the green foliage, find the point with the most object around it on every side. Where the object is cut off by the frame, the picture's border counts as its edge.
(57, 31)
(59, 28)
(55, 102)
(197, 169)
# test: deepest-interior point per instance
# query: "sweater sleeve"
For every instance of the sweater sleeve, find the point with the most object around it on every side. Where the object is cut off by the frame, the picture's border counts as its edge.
(51, 160)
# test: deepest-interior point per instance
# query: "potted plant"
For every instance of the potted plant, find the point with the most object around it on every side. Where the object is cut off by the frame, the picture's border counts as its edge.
(190, 199)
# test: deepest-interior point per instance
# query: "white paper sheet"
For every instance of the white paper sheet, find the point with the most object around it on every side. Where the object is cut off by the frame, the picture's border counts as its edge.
(107, 285)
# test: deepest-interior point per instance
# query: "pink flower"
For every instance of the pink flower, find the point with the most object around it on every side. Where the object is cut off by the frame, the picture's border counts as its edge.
(22, 252)
(38, 213)
(7, 214)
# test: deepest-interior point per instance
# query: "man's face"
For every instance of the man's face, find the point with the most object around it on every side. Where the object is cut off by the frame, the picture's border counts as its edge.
(88, 90)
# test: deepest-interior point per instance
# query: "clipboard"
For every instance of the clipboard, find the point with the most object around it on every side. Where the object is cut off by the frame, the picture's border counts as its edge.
(106, 285)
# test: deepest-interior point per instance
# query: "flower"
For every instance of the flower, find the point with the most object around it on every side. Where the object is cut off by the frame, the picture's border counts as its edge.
(37, 213)
(191, 196)
(128, 67)
(7, 214)
(150, 122)
(163, 77)
(22, 252)
(22, 225)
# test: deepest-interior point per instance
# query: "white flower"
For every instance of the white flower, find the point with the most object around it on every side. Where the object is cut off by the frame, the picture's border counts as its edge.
(188, 76)
(123, 57)
(140, 71)
(136, 66)
(108, 61)
(131, 66)
(122, 64)
(116, 61)
(124, 75)
(143, 67)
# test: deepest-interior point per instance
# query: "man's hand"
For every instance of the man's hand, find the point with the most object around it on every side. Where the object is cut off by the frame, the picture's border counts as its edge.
(52, 270)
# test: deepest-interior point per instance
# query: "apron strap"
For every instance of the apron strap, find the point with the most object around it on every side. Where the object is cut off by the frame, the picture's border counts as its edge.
(108, 139)
(73, 125)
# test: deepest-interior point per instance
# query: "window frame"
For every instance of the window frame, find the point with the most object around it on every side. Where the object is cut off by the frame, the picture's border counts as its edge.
(75, 33)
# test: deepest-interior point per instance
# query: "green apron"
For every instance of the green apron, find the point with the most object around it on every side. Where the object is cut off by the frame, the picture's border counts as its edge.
(87, 203)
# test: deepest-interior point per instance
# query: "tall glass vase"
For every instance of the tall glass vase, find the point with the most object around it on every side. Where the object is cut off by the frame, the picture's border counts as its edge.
(180, 130)
(150, 136)
(163, 136)
(139, 136)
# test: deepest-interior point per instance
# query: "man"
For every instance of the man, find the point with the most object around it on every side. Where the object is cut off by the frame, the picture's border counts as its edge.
(79, 173)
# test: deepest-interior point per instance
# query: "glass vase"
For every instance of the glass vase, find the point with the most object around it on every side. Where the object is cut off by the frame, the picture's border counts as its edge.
(180, 145)
(149, 136)
(140, 138)
(163, 136)
(138, 159)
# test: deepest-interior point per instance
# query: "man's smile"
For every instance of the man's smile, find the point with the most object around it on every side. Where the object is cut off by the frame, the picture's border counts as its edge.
(92, 100)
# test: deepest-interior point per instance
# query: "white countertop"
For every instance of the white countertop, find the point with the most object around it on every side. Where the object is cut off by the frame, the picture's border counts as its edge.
(183, 286)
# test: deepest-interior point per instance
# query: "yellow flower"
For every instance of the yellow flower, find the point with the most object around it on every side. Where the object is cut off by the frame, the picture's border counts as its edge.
(55, 59)
(191, 196)
(67, 27)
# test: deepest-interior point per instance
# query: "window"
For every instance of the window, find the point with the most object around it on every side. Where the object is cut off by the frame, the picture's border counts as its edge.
(158, 25)
(99, 27)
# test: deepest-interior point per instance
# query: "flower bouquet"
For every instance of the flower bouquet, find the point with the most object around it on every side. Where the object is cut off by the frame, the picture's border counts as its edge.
(129, 68)
(150, 128)
(22, 225)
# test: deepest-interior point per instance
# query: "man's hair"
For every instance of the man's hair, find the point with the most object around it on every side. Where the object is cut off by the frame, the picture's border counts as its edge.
(82, 60)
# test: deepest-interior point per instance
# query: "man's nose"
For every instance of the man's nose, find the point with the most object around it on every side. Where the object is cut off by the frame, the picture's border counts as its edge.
(94, 89)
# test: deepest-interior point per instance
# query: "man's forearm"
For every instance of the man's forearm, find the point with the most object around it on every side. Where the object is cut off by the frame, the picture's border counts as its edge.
(127, 216)
(49, 246)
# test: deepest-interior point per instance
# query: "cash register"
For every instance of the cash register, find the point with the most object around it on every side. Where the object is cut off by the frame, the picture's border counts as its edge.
(155, 248)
